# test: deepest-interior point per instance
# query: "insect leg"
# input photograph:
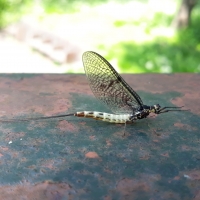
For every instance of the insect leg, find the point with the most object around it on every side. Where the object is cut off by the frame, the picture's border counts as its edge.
(124, 128)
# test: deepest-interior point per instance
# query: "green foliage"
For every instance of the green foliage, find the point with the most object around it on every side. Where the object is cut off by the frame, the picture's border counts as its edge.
(160, 19)
(61, 6)
(119, 23)
(158, 57)
(4, 6)
(161, 55)
(12, 10)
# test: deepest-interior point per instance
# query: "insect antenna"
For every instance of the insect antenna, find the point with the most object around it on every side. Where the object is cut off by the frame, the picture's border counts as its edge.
(163, 110)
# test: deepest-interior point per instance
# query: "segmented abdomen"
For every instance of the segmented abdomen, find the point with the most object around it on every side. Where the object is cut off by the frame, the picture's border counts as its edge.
(105, 116)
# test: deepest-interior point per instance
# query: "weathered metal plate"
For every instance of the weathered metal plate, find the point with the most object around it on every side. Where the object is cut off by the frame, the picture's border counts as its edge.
(80, 158)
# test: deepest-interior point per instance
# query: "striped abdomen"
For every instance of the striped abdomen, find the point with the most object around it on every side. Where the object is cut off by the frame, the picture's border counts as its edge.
(123, 118)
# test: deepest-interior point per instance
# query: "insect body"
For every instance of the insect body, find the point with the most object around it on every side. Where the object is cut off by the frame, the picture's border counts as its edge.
(124, 118)
(110, 88)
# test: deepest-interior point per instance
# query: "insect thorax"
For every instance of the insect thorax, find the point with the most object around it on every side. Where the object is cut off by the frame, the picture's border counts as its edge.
(143, 111)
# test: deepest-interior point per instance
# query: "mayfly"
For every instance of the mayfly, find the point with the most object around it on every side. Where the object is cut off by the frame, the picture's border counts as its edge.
(110, 88)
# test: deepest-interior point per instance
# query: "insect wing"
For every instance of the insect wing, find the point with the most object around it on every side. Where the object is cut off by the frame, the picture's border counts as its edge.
(108, 86)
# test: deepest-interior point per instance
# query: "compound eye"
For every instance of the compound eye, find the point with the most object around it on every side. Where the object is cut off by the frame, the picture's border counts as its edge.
(157, 106)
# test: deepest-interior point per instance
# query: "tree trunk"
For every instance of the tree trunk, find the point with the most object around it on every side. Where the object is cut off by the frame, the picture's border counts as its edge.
(182, 19)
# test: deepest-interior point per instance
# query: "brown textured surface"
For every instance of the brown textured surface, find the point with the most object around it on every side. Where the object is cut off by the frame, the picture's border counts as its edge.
(79, 158)
(55, 89)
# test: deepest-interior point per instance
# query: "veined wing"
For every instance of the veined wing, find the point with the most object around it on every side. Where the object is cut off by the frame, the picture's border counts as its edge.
(108, 86)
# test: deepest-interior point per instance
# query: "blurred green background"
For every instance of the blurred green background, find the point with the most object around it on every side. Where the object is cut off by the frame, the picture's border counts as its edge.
(138, 36)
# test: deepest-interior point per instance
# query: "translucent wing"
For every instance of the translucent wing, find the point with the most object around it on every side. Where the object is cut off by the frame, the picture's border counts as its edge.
(108, 86)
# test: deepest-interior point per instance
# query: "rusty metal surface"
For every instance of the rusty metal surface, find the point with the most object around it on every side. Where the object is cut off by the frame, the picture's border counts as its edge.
(79, 158)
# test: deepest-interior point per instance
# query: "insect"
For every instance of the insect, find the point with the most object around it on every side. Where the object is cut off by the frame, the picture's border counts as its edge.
(110, 88)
